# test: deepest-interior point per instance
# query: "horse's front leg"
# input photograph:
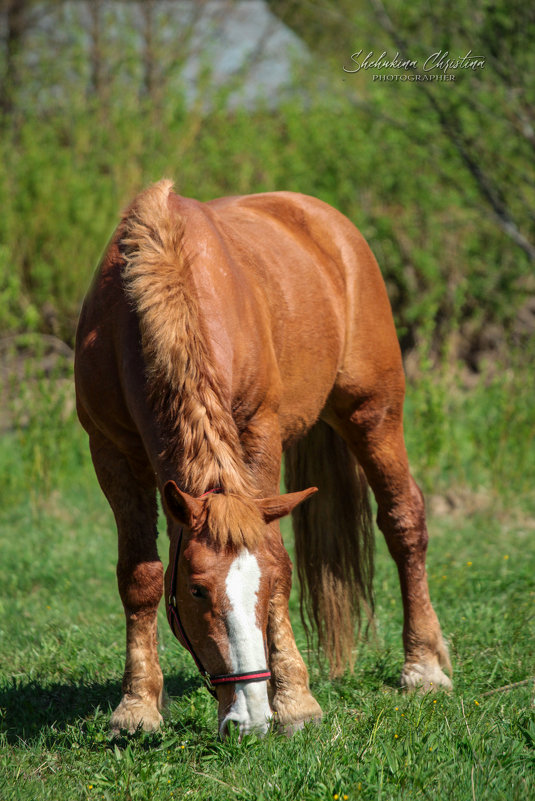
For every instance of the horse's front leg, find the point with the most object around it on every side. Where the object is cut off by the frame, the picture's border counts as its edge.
(290, 698)
(140, 580)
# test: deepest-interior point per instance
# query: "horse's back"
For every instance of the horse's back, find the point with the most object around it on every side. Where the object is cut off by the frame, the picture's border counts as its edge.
(326, 295)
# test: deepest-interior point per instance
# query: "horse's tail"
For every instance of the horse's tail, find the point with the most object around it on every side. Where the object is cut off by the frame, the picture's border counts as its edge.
(334, 541)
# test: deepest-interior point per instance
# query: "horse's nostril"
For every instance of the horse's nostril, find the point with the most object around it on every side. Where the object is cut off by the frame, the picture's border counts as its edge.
(234, 726)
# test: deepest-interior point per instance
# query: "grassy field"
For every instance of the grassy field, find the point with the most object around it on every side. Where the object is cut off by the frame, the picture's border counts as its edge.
(62, 633)
(440, 181)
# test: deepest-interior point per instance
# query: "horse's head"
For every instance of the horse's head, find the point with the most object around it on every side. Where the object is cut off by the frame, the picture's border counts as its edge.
(227, 564)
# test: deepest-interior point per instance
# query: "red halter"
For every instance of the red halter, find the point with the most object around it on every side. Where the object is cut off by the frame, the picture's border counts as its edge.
(173, 616)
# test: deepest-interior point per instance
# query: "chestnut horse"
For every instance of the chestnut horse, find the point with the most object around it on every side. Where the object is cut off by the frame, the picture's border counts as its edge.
(215, 337)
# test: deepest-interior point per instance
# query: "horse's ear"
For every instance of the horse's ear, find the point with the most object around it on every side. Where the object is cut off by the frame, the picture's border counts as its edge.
(281, 505)
(184, 508)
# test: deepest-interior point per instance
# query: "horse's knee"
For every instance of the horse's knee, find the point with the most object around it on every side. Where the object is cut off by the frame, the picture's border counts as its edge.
(140, 586)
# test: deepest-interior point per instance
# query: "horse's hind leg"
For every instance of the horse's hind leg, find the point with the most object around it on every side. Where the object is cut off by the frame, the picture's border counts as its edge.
(140, 578)
(372, 426)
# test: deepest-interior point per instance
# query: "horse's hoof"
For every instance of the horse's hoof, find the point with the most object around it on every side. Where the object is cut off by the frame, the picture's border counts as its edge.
(290, 728)
(424, 677)
(291, 718)
(133, 715)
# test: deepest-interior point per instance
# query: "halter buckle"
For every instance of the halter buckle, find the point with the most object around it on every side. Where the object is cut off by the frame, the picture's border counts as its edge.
(208, 683)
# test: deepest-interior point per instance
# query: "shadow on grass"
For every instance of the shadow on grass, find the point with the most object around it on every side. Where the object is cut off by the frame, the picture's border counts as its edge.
(382, 674)
(29, 709)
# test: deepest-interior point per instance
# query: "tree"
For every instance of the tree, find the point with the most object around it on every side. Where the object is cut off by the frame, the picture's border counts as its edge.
(488, 117)
(16, 14)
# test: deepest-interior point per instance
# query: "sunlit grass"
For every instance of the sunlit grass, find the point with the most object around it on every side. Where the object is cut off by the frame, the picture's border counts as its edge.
(61, 658)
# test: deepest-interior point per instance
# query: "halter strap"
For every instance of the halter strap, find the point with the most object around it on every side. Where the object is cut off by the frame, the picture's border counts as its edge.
(211, 680)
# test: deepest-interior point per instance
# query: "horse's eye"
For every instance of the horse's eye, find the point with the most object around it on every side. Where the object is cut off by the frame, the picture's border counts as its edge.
(198, 591)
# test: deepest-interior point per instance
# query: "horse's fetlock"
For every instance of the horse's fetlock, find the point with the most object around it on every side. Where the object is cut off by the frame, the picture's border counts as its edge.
(292, 710)
(134, 713)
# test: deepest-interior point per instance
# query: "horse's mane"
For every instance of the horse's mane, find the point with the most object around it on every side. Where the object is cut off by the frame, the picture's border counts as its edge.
(202, 440)
(234, 521)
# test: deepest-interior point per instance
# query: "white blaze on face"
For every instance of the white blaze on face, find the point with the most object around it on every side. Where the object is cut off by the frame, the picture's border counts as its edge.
(250, 709)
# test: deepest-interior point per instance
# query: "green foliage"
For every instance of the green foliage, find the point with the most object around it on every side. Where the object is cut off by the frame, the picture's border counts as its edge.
(455, 423)
(437, 182)
(45, 440)
(62, 191)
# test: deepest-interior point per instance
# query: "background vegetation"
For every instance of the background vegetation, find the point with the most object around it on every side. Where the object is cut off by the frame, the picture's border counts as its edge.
(440, 178)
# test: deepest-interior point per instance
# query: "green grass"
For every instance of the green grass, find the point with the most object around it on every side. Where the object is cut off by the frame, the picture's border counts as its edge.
(62, 651)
